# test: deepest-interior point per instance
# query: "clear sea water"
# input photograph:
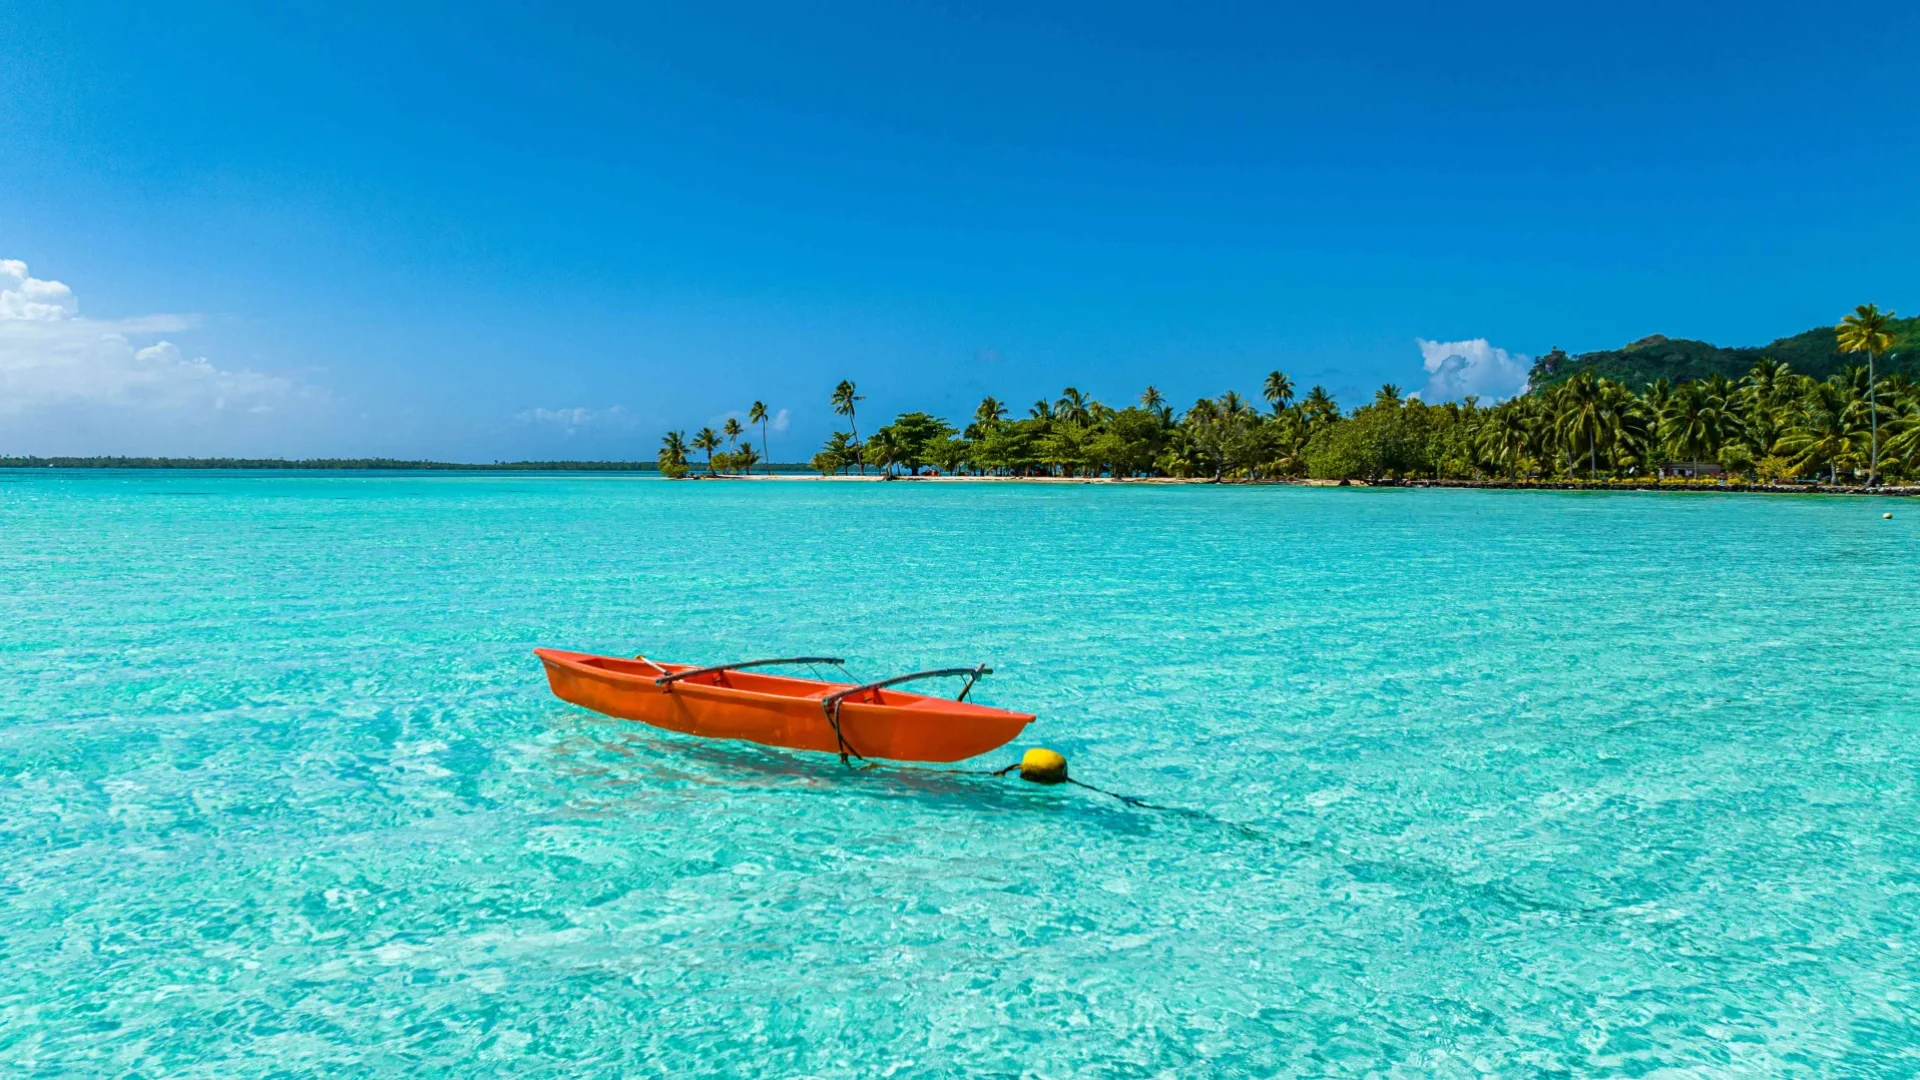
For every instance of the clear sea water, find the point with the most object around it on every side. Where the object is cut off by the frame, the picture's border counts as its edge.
(1516, 784)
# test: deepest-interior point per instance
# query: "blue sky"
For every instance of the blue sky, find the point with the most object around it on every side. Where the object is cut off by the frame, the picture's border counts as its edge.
(484, 231)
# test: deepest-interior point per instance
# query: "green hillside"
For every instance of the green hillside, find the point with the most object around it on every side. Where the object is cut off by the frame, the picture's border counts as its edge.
(1813, 352)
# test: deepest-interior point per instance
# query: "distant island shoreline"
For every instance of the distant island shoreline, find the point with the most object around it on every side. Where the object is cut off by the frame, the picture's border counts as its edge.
(800, 473)
(1697, 486)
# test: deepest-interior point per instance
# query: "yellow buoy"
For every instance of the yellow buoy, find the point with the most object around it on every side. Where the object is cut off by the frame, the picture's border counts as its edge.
(1888, 516)
(1042, 766)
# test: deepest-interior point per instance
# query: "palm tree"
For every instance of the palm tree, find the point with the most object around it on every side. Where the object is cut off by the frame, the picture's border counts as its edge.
(1580, 404)
(1388, 394)
(1291, 435)
(1072, 407)
(885, 449)
(1503, 438)
(1203, 423)
(1723, 389)
(758, 415)
(705, 439)
(1319, 407)
(1041, 410)
(1693, 422)
(1757, 409)
(1278, 391)
(989, 414)
(1866, 331)
(843, 401)
(1767, 380)
(1151, 398)
(731, 429)
(1623, 425)
(674, 445)
(1658, 391)
(1828, 431)
(837, 454)
(673, 453)
(1903, 444)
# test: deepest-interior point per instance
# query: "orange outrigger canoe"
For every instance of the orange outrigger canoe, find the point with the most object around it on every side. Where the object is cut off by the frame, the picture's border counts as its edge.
(729, 702)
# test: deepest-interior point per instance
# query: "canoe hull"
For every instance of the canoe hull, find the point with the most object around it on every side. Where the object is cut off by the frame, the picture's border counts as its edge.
(776, 710)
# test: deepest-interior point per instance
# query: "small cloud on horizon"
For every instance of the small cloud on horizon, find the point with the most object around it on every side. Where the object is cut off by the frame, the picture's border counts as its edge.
(1457, 369)
(572, 420)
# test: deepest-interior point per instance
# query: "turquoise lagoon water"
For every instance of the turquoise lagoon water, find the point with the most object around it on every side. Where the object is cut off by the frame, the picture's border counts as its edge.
(1473, 783)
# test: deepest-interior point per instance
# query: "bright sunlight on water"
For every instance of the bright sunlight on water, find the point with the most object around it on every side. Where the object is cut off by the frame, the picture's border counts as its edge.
(1465, 783)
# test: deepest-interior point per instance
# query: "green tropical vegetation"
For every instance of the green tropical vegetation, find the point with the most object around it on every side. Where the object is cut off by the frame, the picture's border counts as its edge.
(843, 402)
(1865, 331)
(740, 456)
(1769, 423)
(1817, 352)
(673, 455)
(706, 440)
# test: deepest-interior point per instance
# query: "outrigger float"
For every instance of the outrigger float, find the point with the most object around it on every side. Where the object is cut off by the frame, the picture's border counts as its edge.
(728, 701)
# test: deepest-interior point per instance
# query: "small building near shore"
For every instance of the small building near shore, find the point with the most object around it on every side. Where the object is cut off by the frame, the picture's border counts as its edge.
(1691, 470)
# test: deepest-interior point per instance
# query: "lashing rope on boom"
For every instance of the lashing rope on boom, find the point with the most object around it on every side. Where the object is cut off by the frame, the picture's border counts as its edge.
(831, 703)
(839, 737)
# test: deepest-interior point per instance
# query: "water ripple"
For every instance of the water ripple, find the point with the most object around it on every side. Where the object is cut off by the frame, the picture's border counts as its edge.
(1465, 783)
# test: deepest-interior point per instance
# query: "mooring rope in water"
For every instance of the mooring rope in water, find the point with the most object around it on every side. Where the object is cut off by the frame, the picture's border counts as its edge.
(1131, 800)
(1042, 766)
(1037, 766)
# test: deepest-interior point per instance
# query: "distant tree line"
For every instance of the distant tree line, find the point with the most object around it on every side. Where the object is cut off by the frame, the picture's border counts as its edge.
(1770, 425)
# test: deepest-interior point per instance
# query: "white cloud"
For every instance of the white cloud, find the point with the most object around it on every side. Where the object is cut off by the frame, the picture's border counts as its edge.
(572, 420)
(54, 361)
(26, 297)
(1456, 369)
(780, 420)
